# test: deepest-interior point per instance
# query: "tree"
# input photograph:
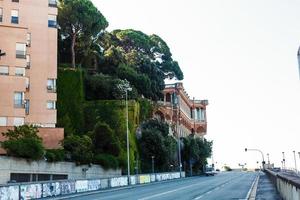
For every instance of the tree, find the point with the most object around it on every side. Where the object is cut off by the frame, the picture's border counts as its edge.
(79, 149)
(80, 19)
(156, 142)
(105, 140)
(24, 142)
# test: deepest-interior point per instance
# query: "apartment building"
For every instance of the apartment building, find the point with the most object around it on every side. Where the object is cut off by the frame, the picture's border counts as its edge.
(185, 115)
(28, 66)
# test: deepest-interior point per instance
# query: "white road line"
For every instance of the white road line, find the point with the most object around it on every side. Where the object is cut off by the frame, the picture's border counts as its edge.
(250, 190)
(170, 191)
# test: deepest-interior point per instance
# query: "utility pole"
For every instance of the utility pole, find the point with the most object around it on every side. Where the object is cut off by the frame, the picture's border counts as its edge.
(152, 164)
(295, 161)
(283, 160)
(127, 135)
(177, 128)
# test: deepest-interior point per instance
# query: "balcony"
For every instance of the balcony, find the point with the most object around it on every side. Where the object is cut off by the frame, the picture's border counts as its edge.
(21, 54)
(52, 3)
(51, 89)
(15, 20)
(19, 104)
(52, 24)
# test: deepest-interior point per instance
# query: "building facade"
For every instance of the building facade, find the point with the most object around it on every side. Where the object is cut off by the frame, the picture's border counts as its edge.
(28, 64)
(184, 115)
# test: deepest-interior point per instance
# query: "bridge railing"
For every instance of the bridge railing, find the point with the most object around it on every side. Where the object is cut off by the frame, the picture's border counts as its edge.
(39, 190)
(287, 184)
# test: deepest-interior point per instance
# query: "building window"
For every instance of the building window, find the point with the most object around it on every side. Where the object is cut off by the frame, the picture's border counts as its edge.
(19, 100)
(52, 21)
(21, 50)
(19, 121)
(1, 14)
(15, 1)
(52, 3)
(14, 16)
(28, 38)
(27, 105)
(3, 121)
(51, 105)
(28, 61)
(51, 85)
(19, 71)
(4, 70)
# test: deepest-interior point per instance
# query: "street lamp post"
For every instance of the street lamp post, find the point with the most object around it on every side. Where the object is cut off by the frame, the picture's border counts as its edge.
(268, 155)
(295, 160)
(152, 157)
(177, 129)
(262, 155)
(127, 134)
(283, 160)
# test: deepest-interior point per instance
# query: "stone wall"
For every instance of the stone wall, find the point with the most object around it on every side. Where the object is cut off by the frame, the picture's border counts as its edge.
(10, 165)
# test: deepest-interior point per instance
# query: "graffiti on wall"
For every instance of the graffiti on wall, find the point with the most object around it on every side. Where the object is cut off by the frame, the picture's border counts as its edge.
(67, 187)
(51, 189)
(118, 182)
(81, 186)
(9, 193)
(144, 179)
(93, 185)
(31, 191)
(104, 183)
(132, 180)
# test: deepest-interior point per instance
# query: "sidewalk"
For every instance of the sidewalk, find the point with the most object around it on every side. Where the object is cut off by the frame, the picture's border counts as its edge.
(265, 189)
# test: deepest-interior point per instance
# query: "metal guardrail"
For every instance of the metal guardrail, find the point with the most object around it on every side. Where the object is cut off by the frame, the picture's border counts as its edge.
(46, 189)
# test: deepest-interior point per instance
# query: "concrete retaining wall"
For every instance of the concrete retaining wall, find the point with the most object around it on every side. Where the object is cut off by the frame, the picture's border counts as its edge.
(288, 185)
(10, 165)
(58, 188)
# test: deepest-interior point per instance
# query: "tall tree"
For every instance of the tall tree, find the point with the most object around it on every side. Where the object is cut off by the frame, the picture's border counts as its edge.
(80, 19)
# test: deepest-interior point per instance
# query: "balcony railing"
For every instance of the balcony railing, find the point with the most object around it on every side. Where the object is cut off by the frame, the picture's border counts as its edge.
(51, 89)
(52, 24)
(52, 3)
(15, 20)
(21, 54)
(19, 104)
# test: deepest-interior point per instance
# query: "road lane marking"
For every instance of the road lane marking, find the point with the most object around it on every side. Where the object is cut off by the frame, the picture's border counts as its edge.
(170, 191)
(252, 187)
(217, 187)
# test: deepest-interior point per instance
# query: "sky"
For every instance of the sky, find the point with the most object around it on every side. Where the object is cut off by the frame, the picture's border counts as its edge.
(241, 55)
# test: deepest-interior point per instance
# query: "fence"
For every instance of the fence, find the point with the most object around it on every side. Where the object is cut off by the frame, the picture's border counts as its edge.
(287, 184)
(38, 190)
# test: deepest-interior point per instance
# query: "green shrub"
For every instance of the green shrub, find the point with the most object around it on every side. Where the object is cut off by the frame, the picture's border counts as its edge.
(70, 99)
(79, 149)
(55, 155)
(24, 142)
(107, 161)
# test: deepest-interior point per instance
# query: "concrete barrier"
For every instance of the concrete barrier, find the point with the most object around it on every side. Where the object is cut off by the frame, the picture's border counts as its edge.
(288, 185)
(24, 191)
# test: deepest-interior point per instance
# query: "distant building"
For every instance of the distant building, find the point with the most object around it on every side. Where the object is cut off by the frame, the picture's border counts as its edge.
(28, 67)
(185, 115)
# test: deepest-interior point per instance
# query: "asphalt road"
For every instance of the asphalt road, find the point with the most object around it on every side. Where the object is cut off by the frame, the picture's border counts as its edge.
(231, 185)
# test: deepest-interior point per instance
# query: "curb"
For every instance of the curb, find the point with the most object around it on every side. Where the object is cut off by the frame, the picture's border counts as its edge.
(115, 189)
(252, 192)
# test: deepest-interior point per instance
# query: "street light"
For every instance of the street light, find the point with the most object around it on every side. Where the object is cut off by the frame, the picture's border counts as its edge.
(268, 159)
(262, 155)
(127, 133)
(295, 160)
(177, 128)
(152, 164)
(283, 160)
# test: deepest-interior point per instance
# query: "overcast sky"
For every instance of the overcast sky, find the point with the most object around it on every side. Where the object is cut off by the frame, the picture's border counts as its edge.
(241, 56)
